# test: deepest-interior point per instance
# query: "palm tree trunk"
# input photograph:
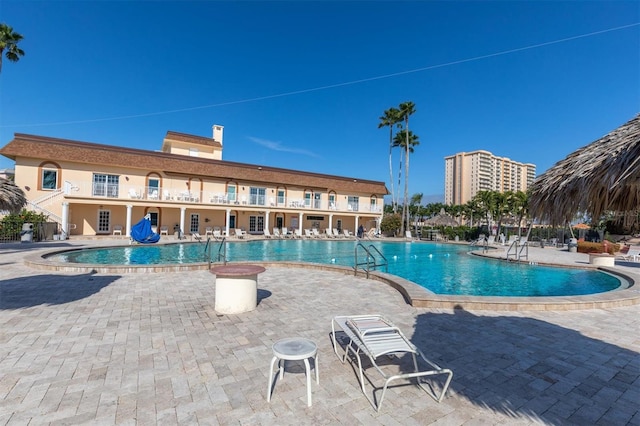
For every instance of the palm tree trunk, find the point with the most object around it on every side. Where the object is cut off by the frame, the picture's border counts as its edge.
(391, 168)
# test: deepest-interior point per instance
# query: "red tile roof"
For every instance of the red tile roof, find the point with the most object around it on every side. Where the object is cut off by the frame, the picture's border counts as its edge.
(47, 148)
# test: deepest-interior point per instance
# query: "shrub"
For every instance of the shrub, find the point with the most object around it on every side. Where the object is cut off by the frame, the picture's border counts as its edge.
(390, 224)
(605, 247)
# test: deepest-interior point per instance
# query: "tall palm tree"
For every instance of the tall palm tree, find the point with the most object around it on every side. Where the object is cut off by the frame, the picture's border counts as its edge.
(406, 141)
(406, 110)
(12, 198)
(390, 118)
(9, 42)
(414, 208)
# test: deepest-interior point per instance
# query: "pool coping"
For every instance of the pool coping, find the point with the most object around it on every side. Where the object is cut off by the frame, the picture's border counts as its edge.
(413, 294)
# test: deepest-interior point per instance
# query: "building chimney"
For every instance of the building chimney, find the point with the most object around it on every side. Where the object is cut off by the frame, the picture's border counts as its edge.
(217, 133)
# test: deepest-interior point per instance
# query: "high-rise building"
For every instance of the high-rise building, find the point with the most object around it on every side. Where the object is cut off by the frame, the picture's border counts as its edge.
(467, 173)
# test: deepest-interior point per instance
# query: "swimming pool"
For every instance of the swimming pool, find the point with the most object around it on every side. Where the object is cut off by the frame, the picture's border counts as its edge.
(441, 268)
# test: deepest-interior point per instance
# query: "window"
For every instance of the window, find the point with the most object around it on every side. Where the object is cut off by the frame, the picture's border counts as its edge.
(316, 200)
(49, 179)
(193, 152)
(256, 223)
(232, 221)
(257, 196)
(104, 221)
(279, 222)
(231, 193)
(332, 201)
(281, 200)
(194, 223)
(307, 199)
(154, 188)
(105, 185)
(374, 202)
(352, 203)
(315, 218)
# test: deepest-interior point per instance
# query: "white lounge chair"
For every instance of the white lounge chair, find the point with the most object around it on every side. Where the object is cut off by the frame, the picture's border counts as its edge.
(217, 234)
(285, 233)
(297, 234)
(408, 235)
(196, 236)
(276, 233)
(328, 233)
(346, 233)
(164, 230)
(315, 233)
(307, 233)
(117, 229)
(133, 193)
(208, 231)
(632, 255)
(376, 337)
(337, 233)
(239, 233)
(267, 234)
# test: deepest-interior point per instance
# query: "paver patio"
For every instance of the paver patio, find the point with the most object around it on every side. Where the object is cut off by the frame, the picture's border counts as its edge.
(150, 349)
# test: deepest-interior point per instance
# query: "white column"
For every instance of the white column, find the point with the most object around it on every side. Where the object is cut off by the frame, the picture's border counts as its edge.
(355, 229)
(300, 223)
(128, 226)
(226, 228)
(65, 220)
(182, 213)
(331, 221)
(266, 219)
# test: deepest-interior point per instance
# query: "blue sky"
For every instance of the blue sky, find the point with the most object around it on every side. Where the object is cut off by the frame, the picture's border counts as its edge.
(302, 84)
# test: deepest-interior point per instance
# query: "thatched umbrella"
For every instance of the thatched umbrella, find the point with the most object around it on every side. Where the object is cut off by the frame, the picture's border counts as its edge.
(441, 219)
(11, 196)
(604, 175)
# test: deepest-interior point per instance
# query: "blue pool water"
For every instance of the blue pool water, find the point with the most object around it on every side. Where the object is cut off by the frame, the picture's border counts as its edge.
(441, 268)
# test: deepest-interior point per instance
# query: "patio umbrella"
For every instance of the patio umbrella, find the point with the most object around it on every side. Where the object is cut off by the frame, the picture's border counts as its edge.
(604, 175)
(11, 196)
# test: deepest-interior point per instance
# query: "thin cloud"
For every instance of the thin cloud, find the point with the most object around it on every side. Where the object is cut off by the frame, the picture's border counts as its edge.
(277, 146)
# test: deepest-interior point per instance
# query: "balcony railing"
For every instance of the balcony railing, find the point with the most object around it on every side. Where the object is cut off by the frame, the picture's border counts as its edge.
(105, 191)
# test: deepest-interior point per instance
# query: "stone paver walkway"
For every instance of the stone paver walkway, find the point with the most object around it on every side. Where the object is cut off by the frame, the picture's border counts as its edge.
(150, 349)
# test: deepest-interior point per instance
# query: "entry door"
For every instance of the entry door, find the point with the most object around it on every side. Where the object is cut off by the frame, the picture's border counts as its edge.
(104, 221)
(194, 223)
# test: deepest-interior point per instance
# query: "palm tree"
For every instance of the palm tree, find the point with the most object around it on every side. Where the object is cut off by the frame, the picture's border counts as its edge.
(406, 141)
(12, 198)
(407, 109)
(519, 201)
(390, 118)
(9, 42)
(414, 208)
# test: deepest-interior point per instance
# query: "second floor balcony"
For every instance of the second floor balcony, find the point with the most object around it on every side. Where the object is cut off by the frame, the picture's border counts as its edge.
(106, 191)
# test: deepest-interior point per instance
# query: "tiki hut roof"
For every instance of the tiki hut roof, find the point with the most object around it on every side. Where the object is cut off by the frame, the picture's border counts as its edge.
(11, 196)
(442, 219)
(604, 175)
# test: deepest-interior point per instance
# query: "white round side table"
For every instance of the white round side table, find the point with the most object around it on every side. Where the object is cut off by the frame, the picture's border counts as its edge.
(294, 349)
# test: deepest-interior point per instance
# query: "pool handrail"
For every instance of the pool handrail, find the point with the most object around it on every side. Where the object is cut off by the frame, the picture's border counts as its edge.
(370, 262)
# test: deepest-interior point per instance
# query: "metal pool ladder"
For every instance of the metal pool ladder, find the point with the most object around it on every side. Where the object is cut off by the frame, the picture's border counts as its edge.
(372, 261)
(222, 251)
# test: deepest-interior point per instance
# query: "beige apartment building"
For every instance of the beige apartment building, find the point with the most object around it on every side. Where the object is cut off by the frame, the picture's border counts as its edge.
(94, 189)
(467, 173)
